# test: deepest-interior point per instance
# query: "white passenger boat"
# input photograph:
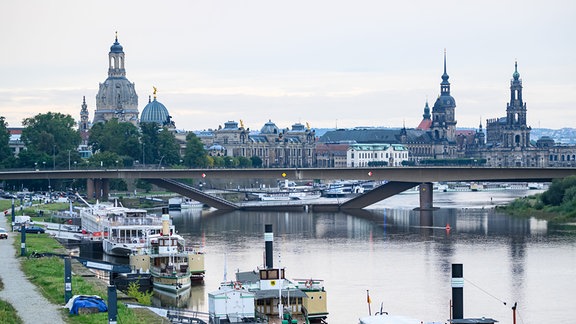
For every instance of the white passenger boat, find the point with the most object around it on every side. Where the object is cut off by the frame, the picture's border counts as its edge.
(170, 262)
(122, 230)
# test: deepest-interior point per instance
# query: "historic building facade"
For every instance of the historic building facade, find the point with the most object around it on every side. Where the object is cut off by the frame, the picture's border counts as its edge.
(116, 96)
(365, 155)
(294, 147)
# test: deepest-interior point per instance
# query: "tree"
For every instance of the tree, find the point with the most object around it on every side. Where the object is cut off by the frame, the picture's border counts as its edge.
(195, 154)
(48, 138)
(244, 162)
(168, 148)
(117, 137)
(6, 156)
(256, 161)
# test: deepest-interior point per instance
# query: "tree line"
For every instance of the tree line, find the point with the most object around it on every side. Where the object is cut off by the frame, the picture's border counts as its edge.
(51, 141)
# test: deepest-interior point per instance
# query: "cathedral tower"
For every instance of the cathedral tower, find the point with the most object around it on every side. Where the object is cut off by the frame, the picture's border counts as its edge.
(443, 112)
(84, 125)
(516, 133)
(117, 96)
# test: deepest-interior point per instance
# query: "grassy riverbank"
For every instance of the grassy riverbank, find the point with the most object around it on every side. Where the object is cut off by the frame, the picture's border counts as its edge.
(47, 273)
(556, 205)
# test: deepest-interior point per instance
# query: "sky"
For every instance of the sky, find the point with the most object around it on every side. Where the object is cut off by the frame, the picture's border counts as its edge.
(328, 63)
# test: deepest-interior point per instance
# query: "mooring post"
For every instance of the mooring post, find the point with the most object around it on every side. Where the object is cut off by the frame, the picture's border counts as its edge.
(457, 291)
(13, 214)
(67, 279)
(112, 306)
(23, 239)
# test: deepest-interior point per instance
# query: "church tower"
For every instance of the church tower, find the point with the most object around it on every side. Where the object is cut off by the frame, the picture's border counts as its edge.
(443, 112)
(117, 96)
(426, 118)
(84, 126)
(516, 134)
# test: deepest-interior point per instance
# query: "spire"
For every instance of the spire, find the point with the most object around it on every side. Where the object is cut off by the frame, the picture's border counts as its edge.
(445, 75)
(426, 114)
(516, 75)
(445, 85)
(155, 90)
(445, 62)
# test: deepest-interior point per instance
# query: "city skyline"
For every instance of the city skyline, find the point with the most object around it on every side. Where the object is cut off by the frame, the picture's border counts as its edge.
(325, 63)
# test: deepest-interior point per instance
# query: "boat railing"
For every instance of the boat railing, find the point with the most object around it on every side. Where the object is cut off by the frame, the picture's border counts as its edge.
(128, 240)
(135, 221)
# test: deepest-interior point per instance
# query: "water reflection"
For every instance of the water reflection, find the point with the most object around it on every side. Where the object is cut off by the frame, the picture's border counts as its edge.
(403, 256)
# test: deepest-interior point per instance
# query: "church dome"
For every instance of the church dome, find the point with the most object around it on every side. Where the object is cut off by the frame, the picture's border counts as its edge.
(444, 101)
(269, 128)
(116, 47)
(155, 112)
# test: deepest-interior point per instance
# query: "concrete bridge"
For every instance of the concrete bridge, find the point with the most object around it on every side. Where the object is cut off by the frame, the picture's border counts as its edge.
(398, 179)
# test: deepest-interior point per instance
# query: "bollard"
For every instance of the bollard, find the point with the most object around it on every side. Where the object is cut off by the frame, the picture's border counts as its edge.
(23, 239)
(112, 307)
(67, 279)
(457, 291)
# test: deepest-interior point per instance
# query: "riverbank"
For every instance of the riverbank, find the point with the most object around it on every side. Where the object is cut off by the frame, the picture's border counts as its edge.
(555, 205)
(40, 283)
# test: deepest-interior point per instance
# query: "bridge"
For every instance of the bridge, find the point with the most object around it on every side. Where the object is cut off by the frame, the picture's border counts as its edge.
(397, 179)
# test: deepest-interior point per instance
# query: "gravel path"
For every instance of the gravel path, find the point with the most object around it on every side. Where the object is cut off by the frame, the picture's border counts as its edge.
(31, 306)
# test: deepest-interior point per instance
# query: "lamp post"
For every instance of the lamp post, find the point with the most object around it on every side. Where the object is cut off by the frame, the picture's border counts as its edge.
(68, 159)
(53, 157)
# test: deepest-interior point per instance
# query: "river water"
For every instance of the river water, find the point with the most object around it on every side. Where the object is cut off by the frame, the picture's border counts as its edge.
(403, 257)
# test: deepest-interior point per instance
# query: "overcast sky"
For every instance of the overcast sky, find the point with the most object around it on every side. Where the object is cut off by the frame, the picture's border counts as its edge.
(326, 62)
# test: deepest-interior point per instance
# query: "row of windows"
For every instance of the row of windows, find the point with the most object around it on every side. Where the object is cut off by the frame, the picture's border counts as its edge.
(382, 155)
(568, 157)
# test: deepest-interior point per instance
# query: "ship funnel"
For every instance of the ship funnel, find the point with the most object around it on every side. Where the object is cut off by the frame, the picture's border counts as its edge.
(457, 291)
(269, 239)
(165, 221)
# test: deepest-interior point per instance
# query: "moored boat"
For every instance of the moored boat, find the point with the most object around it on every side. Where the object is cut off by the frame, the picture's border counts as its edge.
(170, 262)
(266, 295)
(123, 231)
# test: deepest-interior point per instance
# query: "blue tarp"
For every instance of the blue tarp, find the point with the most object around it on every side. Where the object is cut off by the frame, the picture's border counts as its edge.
(88, 302)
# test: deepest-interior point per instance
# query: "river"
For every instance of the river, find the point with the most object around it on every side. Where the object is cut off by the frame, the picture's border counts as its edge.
(403, 257)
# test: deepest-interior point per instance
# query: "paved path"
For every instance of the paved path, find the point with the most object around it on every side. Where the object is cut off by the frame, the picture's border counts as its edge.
(31, 306)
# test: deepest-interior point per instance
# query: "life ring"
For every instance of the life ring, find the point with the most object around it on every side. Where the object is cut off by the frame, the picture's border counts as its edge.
(237, 285)
(308, 283)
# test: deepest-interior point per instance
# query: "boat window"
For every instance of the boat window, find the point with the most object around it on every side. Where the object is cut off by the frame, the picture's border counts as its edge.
(273, 274)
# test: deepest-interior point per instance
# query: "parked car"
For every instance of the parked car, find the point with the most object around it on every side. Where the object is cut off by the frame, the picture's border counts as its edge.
(3, 234)
(35, 229)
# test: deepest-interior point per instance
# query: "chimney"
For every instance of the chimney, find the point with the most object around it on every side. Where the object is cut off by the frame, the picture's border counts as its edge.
(268, 239)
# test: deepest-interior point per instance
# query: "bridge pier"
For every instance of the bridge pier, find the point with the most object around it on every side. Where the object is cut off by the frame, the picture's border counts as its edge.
(97, 188)
(426, 196)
